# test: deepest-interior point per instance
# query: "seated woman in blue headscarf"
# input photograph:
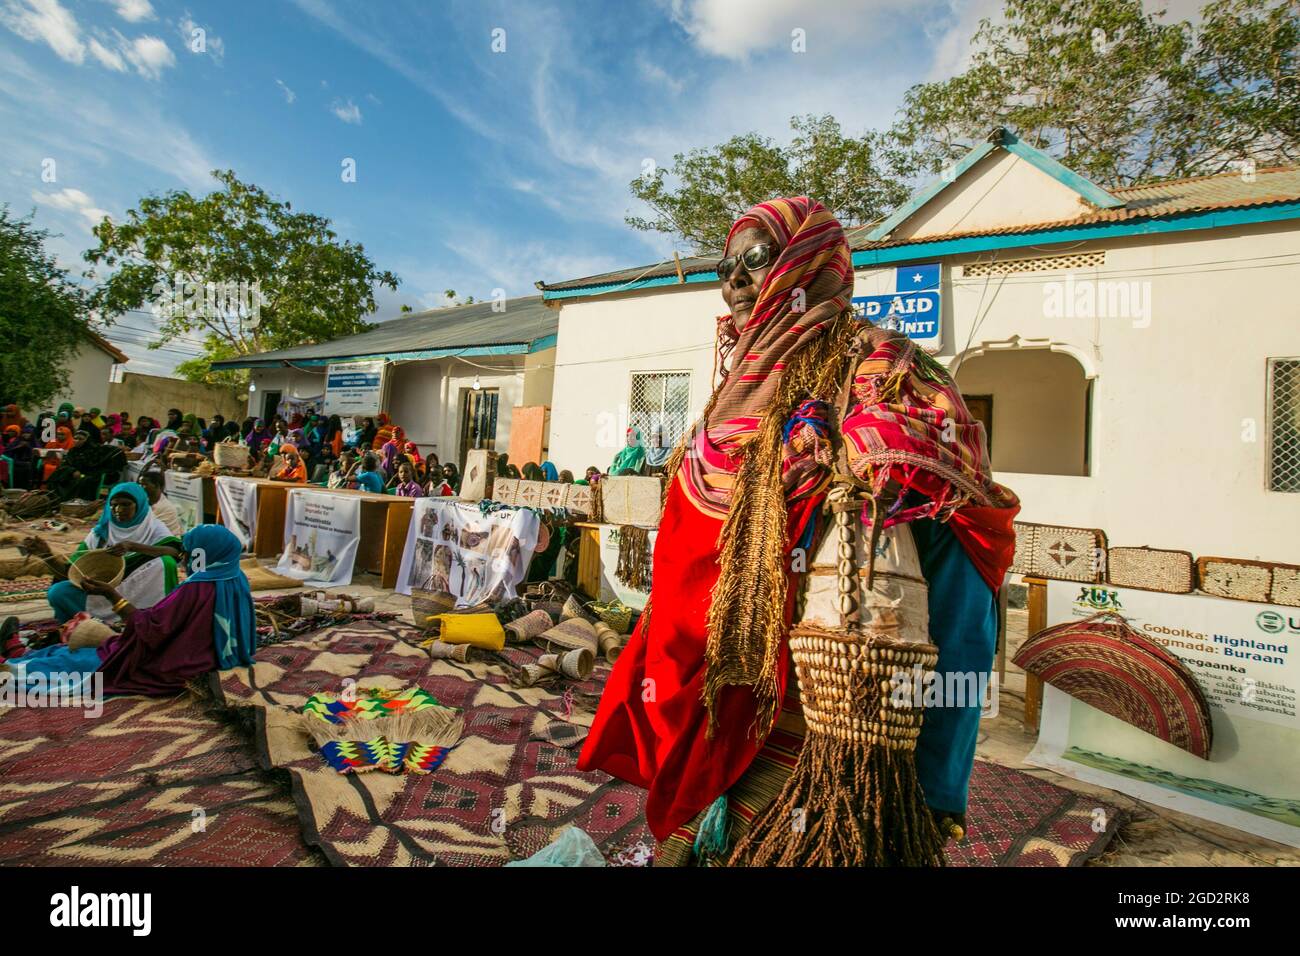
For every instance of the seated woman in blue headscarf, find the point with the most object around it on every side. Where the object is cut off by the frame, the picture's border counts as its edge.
(206, 624)
(128, 528)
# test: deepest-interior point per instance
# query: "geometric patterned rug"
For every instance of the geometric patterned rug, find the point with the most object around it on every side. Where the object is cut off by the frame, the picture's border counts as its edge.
(510, 786)
(178, 782)
(503, 793)
(150, 782)
(1019, 820)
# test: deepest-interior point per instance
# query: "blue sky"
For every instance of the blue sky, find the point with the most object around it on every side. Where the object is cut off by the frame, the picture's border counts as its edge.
(476, 170)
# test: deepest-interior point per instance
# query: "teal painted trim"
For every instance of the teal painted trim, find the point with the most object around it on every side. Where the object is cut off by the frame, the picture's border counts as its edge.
(1062, 174)
(919, 199)
(544, 343)
(922, 251)
(606, 288)
(480, 350)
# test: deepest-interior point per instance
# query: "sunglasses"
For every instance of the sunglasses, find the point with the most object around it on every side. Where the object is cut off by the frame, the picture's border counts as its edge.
(755, 257)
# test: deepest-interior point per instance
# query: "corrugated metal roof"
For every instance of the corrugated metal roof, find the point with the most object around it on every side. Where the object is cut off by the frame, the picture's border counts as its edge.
(522, 322)
(1150, 201)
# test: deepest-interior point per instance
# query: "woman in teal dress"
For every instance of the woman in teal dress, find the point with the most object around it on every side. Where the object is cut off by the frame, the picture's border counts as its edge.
(128, 528)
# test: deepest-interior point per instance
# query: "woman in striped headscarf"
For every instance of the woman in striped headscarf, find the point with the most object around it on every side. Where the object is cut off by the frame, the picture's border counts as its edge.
(705, 685)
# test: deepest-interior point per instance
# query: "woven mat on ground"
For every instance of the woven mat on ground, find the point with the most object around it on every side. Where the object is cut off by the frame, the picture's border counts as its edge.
(504, 792)
(24, 589)
(1019, 820)
(122, 790)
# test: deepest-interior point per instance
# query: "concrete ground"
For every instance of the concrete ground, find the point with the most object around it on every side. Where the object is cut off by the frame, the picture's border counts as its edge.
(1155, 837)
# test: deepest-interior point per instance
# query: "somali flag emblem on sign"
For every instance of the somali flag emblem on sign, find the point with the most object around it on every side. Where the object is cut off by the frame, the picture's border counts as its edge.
(911, 308)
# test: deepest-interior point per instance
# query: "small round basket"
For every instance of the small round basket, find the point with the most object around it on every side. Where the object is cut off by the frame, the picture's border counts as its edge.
(98, 565)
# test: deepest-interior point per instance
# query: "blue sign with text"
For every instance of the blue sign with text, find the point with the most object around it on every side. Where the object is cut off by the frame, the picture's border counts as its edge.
(913, 308)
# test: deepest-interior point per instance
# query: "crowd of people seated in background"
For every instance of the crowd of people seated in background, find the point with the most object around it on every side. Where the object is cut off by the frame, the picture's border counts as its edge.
(78, 453)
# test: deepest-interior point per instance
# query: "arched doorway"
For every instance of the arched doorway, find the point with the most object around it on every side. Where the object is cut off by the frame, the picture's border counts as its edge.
(1036, 405)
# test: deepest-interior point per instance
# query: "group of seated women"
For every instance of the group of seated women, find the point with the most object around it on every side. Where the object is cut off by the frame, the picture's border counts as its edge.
(173, 629)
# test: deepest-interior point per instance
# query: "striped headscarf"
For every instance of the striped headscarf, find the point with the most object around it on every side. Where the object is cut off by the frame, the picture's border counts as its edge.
(808, 287)
(810, 284)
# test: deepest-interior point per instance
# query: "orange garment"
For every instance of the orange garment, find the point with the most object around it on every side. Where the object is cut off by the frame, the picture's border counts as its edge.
(62, 439)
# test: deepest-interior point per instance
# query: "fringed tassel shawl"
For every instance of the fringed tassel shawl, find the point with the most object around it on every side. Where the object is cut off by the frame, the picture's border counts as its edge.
(634, 557)
(747, 614)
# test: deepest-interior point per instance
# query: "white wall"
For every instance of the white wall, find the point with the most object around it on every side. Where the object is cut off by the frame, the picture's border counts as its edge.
(88, 379)
(602, 341)
(1171, 395)
(289, 382)
(1172, 389)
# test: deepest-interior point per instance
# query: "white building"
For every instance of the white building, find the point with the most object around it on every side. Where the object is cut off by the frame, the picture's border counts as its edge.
(90, 372)
(1134, 352)
(452, 377)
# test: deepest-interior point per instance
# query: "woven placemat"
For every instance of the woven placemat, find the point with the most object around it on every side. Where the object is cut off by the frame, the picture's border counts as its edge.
(1286, 585)
(1060, 552)
(1235, 578)
(1151, 569)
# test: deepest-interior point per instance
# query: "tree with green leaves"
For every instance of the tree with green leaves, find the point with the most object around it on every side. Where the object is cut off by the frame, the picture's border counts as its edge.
(238, 268)
(707, 189)
(1119, 95)
(43, 318)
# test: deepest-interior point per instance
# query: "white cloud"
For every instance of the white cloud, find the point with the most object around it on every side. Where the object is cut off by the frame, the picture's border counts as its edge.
(208, 42)
(71, 200)
(289, 95)
(133, 11)
(74, 122)
(45, 21)
(738, 29)
(654, 73)
(149, 55)
(106, 57)
(348, 112)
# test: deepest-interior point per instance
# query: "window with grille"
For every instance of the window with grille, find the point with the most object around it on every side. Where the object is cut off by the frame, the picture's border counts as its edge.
(1284, 424)
(659, 406)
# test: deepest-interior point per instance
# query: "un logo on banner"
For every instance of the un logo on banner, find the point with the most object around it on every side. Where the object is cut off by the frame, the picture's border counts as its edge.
(1270, 622)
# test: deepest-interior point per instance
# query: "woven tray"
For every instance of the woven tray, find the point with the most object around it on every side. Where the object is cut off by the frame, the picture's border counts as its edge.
(506, 490)
(1235, 578)
(1060, 552)
(1151, 569)
(1286, 585)
(631, 500)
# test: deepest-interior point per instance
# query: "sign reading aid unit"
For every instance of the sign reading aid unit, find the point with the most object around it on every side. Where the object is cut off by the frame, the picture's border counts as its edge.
(354, 388)
(912, 306)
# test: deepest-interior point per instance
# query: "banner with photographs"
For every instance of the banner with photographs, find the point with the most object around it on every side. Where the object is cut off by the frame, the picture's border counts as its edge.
(185, 491)
(237, 502)
(610, 586)
(320, 537)
(451, 547)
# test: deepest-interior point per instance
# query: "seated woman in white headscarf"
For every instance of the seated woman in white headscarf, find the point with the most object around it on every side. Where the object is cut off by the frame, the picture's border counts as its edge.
(127, 528)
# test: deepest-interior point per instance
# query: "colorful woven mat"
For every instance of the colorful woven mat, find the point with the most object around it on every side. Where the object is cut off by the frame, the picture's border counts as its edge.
(368, 705)
(24, 589)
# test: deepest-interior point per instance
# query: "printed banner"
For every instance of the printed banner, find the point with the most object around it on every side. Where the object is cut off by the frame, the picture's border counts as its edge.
(237, 502)
(354, 388)
(185, 491)
(913, 306)
(320, 537)
(610, 585)
(1240, 654)
(475, 557)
